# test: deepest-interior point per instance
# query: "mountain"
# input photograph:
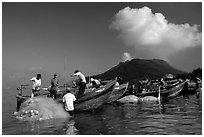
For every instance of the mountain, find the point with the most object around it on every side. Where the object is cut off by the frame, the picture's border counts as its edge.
(139, 69)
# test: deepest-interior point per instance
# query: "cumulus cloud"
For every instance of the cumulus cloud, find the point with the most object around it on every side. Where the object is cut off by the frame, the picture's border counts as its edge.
(140, 28)
(126, 56)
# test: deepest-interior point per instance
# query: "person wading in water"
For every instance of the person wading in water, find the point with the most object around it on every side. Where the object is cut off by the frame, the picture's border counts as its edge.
(68, 100)
(54, 87)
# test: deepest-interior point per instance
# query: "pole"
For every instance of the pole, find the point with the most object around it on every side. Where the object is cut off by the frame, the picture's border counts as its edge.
(65, 62)
(159, 96)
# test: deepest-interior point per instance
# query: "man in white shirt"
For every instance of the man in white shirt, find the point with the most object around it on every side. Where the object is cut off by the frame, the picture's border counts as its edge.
(96, 83)
(82, 84)
(69, 99)
(36, 85)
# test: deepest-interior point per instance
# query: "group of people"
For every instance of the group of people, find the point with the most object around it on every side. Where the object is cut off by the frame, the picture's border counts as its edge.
(69, 98)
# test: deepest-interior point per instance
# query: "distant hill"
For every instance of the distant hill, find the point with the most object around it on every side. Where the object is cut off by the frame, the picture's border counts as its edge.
(139, 69)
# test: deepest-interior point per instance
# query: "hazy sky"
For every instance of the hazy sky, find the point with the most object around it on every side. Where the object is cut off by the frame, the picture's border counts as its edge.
(94, 37)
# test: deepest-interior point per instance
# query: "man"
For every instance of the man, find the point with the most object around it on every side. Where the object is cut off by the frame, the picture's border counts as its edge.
(36, 85)
(82, 84)
(54, 87)
(95, 83)
(163, 83)
(69, 99)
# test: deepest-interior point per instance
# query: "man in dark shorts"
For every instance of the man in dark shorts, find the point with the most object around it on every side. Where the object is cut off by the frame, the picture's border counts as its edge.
(82, 84)
(54, 87)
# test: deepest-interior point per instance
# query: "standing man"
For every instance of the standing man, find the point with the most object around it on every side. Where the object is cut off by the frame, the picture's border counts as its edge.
(36, 85)
(54, 87)
(82, 84)
(68, 100)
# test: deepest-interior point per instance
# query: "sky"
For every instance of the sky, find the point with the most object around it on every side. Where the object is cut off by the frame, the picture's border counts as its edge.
(96, 36)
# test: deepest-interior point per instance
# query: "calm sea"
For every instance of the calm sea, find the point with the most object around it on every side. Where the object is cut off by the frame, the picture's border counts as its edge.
(178, 116)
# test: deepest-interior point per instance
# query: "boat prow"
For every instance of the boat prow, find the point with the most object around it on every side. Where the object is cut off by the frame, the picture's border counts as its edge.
(95, 98)
(117, 93)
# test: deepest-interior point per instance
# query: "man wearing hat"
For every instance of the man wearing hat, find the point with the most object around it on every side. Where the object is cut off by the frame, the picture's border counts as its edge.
(82, 84)
(54, 87)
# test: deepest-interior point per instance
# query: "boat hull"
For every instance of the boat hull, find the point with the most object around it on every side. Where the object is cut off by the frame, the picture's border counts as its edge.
(172, 92)
(117, 93)
(94, 99)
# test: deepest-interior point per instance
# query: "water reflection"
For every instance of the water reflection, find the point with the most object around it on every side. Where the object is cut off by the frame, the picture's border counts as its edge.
(70, 128)
(181, 115)
(89, 123)
(50, 127)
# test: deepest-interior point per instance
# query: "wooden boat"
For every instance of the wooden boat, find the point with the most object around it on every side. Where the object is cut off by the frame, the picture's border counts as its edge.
(171, 92)
(172, 83)
(191, 88)
(175, 91)
(94, 99)
(117, 93)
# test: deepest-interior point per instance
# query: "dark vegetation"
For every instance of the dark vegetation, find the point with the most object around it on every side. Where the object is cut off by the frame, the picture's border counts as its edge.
(192, 75)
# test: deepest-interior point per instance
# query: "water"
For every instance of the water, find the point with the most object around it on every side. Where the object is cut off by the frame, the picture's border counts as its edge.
(179, 116)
